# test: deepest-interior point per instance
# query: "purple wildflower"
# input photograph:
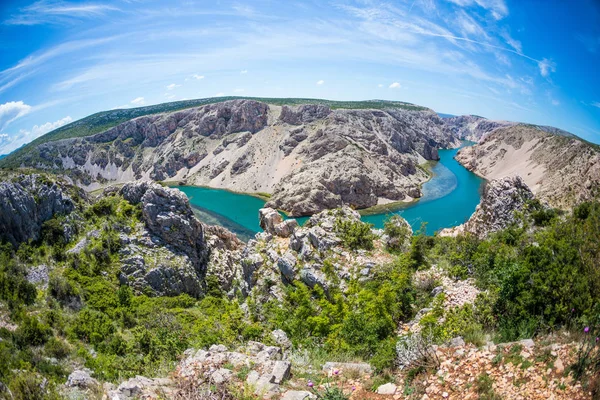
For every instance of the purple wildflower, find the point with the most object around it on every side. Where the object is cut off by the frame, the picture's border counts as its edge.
(586, 329)
(354, 387)
(310, 384)
(336, 371)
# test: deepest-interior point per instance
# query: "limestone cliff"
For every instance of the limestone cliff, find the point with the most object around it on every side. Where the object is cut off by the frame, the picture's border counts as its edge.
(309, 157)
(560, 170)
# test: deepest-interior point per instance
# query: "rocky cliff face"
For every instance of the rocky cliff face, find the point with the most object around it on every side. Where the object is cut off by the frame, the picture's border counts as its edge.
(308, 157)
(474, 128)
(559, 170)
(500, 202)
(27, 201)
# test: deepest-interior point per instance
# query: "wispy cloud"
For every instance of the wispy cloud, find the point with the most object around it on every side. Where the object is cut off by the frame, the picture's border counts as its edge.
(12, 111)
(596, 104)
(198, 77)
(320, 82)
(172, 86)
(48, 11)
(9, 142)
(546, 67)
(138, 101)
(395, 85)
(244, 71)
(498, 8)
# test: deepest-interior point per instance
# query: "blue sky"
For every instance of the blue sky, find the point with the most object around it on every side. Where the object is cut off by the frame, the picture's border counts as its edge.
(534, 61)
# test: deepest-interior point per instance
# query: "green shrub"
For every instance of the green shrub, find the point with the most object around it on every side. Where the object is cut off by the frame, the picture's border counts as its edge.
(32, 332)
(355, 234)
(57, 348)
(15, 290)
(91, 326)
(27, 386)
(399, 233)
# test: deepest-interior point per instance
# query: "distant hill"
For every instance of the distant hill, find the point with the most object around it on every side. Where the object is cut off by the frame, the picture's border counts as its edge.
(442, 115)
(104, 120)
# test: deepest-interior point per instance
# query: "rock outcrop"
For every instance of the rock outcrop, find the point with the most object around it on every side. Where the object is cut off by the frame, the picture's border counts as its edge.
(474, 128)
(500, 202)
(27, 201)
(169, 254)
(559, 169)
(314, 254)
(309, 157)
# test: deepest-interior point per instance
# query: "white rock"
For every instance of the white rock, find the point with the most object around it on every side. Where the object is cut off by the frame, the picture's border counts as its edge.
(388, 388)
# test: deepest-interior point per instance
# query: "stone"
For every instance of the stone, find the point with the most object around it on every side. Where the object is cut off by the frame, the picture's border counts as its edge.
(281, 338)
(286, 265)
(437, 290)
(220, 376)
(281, 371)
(362, 368)
(297, 395)
(81, 379)
(387, 389)
(457, 342)
(268, 219)
(559, 366)
(264, 387)
(527, 343)
(286, 228)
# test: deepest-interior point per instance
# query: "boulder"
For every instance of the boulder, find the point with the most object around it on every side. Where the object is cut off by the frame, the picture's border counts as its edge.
(269, 218)
(281, 371)
(281, 338)
(81, 379)
(387, 389)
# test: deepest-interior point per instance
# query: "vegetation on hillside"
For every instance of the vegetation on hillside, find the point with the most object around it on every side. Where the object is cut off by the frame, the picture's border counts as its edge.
(536, 278)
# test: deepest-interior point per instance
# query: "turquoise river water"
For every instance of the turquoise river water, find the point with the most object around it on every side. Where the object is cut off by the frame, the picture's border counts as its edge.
(449, 199)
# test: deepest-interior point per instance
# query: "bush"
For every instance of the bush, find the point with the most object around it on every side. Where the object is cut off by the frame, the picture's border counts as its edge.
(399, 232)
(57, 348)
(32, 332)
(355, 234)
(27, 386)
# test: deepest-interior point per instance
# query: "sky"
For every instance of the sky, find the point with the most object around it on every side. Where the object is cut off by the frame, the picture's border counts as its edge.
(535, 61)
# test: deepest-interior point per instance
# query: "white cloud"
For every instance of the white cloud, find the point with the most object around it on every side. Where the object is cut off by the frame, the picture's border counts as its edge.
(138, 101)
(244, 71)
(395, 85)
(56, 11)
(11, 111)
(596, 104)
(546, 67)
(172, 86)
(198, 77)
(380, 85)
(555, 102)
(320, 82)
(9, 143)
(515, 44)
(498, 8)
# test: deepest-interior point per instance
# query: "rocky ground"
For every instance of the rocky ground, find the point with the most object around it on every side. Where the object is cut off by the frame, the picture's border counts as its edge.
(520, 370)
